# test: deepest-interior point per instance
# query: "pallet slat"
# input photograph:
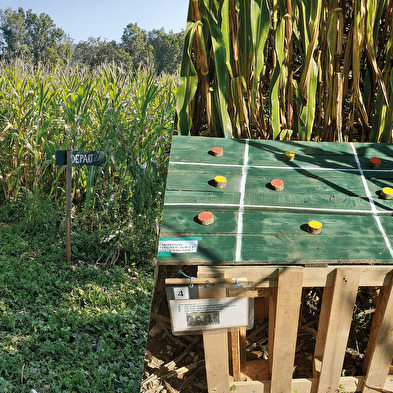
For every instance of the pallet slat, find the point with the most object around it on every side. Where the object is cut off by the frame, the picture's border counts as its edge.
(305, 385)
(380, 348)
(215, 343)
(289, 293)
(334, 325)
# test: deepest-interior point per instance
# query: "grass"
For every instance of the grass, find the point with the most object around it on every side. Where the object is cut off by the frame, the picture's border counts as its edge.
(66, 328)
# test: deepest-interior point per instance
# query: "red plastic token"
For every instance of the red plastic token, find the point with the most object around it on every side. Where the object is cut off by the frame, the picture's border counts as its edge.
(374, 163)
(217, 151)
(277, 184)
(206, 218)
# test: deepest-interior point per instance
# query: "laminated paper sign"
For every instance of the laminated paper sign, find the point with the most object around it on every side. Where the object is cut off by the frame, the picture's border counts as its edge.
(196, 315)
(180, 245)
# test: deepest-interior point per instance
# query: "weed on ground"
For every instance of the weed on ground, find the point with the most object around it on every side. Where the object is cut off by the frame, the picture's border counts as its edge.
(78, 327)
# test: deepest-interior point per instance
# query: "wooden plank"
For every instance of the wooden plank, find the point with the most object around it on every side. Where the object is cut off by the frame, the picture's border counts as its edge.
(215, 344)
(380, 347)
(289, 293)
(272, 238)
(68, 201)
(243, 355)
(305, 385)
(272, 318)
(191, 149)
(203, 281)
(235, 351)
(334, 325)
(261, 276)
(201, 178)
(319, 189)
(249, 387)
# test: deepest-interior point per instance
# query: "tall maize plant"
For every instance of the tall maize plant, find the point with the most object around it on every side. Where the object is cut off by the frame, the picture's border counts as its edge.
(288, 69)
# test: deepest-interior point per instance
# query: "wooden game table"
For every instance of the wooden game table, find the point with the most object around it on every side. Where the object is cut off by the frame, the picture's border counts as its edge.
(280, 217)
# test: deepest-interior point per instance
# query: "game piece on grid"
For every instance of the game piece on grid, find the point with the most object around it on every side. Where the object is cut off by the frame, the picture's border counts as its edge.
(217, 151)
(315, 227)
(289, 156)
(387, 193)
(206, 218)
(277, 184)
(220, 181)
(374, 163)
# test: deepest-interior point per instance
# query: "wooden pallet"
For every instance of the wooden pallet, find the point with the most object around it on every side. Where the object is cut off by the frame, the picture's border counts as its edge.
(340, 289)
(263, 234)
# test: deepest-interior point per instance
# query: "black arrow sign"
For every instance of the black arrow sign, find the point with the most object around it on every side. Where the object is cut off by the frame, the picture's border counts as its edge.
(81, 157)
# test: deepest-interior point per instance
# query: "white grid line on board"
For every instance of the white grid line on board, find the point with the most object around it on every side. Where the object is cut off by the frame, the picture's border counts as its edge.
(293, 168)
(239, 234)
(275, 207)
(371, 201)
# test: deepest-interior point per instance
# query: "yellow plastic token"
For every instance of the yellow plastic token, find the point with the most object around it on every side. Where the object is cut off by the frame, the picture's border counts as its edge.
(314, 227)
(387, 193)
(220, 181)
(289, 155)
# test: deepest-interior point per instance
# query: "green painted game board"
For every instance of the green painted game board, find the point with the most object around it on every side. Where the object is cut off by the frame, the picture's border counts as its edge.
(253, 224)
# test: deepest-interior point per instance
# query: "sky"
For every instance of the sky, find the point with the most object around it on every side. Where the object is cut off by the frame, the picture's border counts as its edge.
(81, 19)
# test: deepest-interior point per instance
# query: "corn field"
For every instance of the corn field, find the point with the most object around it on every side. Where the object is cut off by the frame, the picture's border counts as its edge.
(288, 69)
(128, 116)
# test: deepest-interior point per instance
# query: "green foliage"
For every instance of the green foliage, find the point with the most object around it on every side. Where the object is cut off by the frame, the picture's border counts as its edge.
(127, 115)
(244, 60)
(33, 37)
(75, 328)
(95, 52)
(167, 50)
(134, 42)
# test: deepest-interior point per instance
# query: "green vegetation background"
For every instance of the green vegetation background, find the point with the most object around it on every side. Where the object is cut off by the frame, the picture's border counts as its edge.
(79, 327)
(36, 39)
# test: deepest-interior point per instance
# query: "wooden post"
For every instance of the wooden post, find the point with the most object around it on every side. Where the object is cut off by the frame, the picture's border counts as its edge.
(289, 294)
(215, 343)
(379, 349)
(68, 201)
(235, 353)
(334, 324)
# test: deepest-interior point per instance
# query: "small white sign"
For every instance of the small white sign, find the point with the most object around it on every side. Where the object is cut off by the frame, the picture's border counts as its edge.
(178, 246)
(181, 293)
(197, 315)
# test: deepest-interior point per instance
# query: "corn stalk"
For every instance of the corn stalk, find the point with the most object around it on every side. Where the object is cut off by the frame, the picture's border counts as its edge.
(288, 69)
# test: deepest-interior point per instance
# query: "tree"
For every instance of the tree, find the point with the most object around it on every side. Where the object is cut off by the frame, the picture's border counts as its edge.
(94, 52)
(134, 42)
(33, 36)
(12, 26)
(167, 50)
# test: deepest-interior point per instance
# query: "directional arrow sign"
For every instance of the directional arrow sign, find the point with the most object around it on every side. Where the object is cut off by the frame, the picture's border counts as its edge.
(80, 157)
